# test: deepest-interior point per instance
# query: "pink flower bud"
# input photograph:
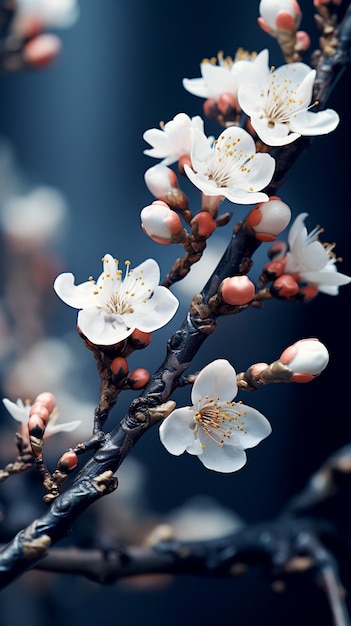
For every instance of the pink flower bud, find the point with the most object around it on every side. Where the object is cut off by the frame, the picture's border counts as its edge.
(285, 286)
(303, 41)
(41, 51)
(268, 219)
(159, 222)
(138, 378)
(279, 15)
(204, 224)
(237, 290)
(306, 358)
(159, 179)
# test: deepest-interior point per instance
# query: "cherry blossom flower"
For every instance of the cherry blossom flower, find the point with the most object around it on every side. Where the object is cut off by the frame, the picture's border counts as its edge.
(278, 104)
(215, 428)
(20, 412)
(311, 261)
(226, 76)
(112, 307)
(173, 139)
(231, 168)
(306, 358)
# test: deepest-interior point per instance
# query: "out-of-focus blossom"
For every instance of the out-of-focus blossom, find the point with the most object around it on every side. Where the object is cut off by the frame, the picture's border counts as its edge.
(35, 217)
(279, 15)
(159, 222)
(224, 78)
(173, 139)
(268, 219)
(50, 13)
(20, 412)
(231, 168)
(112, 307)
(307, 358)
(310, 261)
(202, 518)
(215, 428)
(278, 104)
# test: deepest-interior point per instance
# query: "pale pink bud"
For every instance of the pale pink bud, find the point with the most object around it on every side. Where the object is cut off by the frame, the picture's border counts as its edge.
(303, 41)
(159, 222)
(307, 358)
(285, 286)
(160, 179)
(41, 51)
(268, 219)
(237, 290)
(279, 15)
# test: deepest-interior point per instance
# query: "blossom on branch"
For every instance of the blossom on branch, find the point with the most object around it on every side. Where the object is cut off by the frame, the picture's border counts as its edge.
(278, 104)
(160, 223)
(231, 168)
(215, 428)
(224, 78)
(20, 412)
(306, 358)
(112, 307)
(173, 139)
(311, 261)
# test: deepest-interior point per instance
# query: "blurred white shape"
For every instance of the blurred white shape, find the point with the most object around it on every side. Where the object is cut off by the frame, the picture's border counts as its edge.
(36, 216)
(201, 518)
(52, 13)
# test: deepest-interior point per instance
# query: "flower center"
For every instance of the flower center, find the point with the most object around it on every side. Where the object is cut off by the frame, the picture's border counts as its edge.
(280, 102)
(220, 421)
(118, 295)
(228, 161)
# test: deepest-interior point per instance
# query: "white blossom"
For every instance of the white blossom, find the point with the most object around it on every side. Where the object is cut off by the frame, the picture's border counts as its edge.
(20, 412)
(173, 139)
(112, 307)
(311, 261)
(278, 104)
(215, 428)
(226, 77)
(231, 168)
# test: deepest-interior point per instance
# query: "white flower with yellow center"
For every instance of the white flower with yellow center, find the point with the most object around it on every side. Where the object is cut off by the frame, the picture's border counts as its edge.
(112, 307)
(231, 168)
(172, 140)
(278, 104)
(312, 261)
(215, 428)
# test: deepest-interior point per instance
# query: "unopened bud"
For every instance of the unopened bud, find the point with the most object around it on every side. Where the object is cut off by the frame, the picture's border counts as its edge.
(160, 223)
(279, 15)
(306, 358)
(159, 179)
(139, 339)
(268, 219)
(68, 461)
(119, 368)
(138, 378)
(203, 224)
(41, 51)
(303, 41)
(237, 290)
(285, 286)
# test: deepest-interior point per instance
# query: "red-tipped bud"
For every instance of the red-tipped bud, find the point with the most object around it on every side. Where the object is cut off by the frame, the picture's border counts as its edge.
(303, 41)
(38, 409)
(306, 358)
(227, 104)
(285, 286)
(159, 179)
(284, 21)
(273, 269)
(36, 426)
(48, 399)
(68, 462)
(268, 219)
(210, 108)
(139, 340)
(279, 15)
(203, 224)
(309, 292)
(119, 367)
(41, 51)
(277, 251)
(237, 290)
(138, 378)
(160, 223)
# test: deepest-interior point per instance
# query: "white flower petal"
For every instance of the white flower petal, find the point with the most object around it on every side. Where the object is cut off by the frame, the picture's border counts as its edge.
(177, 430)
(325, 277)
(76, 296)
(224, 459)
(151, 314)
(17, 410)
(65, 427)
(217, 381)
(320, 123)
(196, 86)
(255, 427)
(103, 328)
